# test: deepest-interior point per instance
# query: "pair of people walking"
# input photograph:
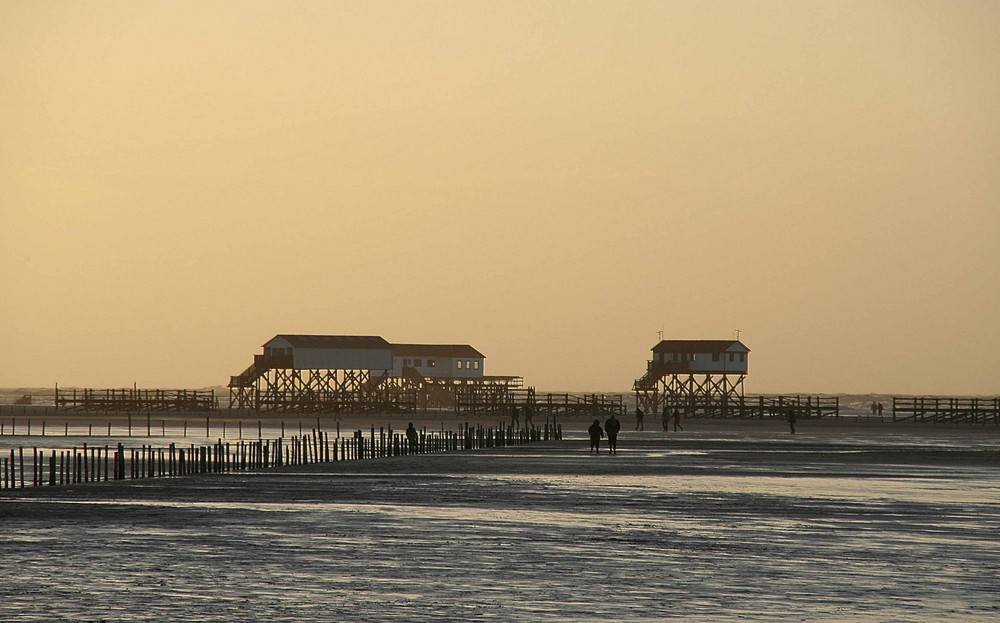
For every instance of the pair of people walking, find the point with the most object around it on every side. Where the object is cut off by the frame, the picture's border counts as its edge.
(667, 417)
(515, 417)
(611, 427)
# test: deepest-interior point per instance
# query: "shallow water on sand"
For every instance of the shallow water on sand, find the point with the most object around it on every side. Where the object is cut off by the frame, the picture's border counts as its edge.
(702, 527)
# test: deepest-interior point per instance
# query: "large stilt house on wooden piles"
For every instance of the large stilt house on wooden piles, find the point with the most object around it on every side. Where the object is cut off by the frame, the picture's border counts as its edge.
(338, 372)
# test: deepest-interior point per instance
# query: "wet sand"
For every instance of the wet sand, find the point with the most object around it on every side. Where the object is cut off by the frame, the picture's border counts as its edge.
(722, 522)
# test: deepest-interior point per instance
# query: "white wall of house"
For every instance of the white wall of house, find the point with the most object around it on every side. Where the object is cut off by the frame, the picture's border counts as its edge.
(276, 345)
(342, 358)
(467, 367)
(441, 367)
(334, 358)
(709, 363)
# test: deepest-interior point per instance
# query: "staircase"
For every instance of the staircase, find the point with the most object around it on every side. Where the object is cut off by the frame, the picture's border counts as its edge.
(654, 372)
(261, 364)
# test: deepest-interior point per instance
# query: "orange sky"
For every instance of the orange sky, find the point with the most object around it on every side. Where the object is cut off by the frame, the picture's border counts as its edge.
(552, 183)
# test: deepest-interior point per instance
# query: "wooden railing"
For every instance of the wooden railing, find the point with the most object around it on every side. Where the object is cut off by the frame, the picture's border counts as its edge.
(938, 409)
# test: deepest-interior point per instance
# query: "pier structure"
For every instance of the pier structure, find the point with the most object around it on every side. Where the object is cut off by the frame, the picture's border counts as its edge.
(133, 400)
(778, 406)
(366, 374)
(941, 409)
(701, 378)
(558, 407)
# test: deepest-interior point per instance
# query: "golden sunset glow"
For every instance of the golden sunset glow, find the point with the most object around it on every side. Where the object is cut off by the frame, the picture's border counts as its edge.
(550, 182)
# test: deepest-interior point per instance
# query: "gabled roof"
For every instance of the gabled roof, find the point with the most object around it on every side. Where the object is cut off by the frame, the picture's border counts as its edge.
(333, 341)
(435, 350)
(701, 346)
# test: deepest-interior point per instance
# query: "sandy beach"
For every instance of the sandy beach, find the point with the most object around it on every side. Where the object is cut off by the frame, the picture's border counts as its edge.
(726, 521)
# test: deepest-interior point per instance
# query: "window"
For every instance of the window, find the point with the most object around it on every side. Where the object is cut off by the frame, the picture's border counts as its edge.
(475, 365)
(459, 364)
(715, 356)
(418, 363)
(732, 357)
(743, 357)
(406, 362)
(467, 366)
(432, 363)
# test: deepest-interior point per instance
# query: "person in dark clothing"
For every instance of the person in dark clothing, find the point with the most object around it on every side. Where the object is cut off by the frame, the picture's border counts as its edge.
(677, 419)
(528, 422)
(411, 437)
(638, 419)
(666, 419)
(611, 427)
(515, 420)
(596, 432)
(791, 420)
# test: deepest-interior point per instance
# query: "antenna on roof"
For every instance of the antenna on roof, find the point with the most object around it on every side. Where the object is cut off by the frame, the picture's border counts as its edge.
(660, 333)
(736, 332)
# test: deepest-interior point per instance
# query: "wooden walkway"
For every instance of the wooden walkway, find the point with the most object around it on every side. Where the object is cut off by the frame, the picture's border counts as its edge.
(755, 407)
(936, 409)
(554, 407)
(135, 400)
(765, 406)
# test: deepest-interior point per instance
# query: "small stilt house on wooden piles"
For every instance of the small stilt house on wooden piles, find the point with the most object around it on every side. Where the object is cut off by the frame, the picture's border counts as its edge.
(696, 376)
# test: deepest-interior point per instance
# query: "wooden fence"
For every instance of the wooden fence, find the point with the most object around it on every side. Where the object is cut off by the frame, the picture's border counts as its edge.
(34, 467)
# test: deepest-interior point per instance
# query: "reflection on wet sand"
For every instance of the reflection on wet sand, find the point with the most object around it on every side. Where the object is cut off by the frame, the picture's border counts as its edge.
(700, 528)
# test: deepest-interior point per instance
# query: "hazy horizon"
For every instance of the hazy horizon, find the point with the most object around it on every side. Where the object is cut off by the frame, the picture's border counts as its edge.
(552, 183)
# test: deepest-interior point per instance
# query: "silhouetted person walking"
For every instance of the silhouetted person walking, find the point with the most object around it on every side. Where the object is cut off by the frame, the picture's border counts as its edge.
(528, 422)
(677, 419)
(791, 420)
(612, 426)
(638, 419)
(515, 420)
(596, 432)
(411, 437)
(880, 409)
(665, 419)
